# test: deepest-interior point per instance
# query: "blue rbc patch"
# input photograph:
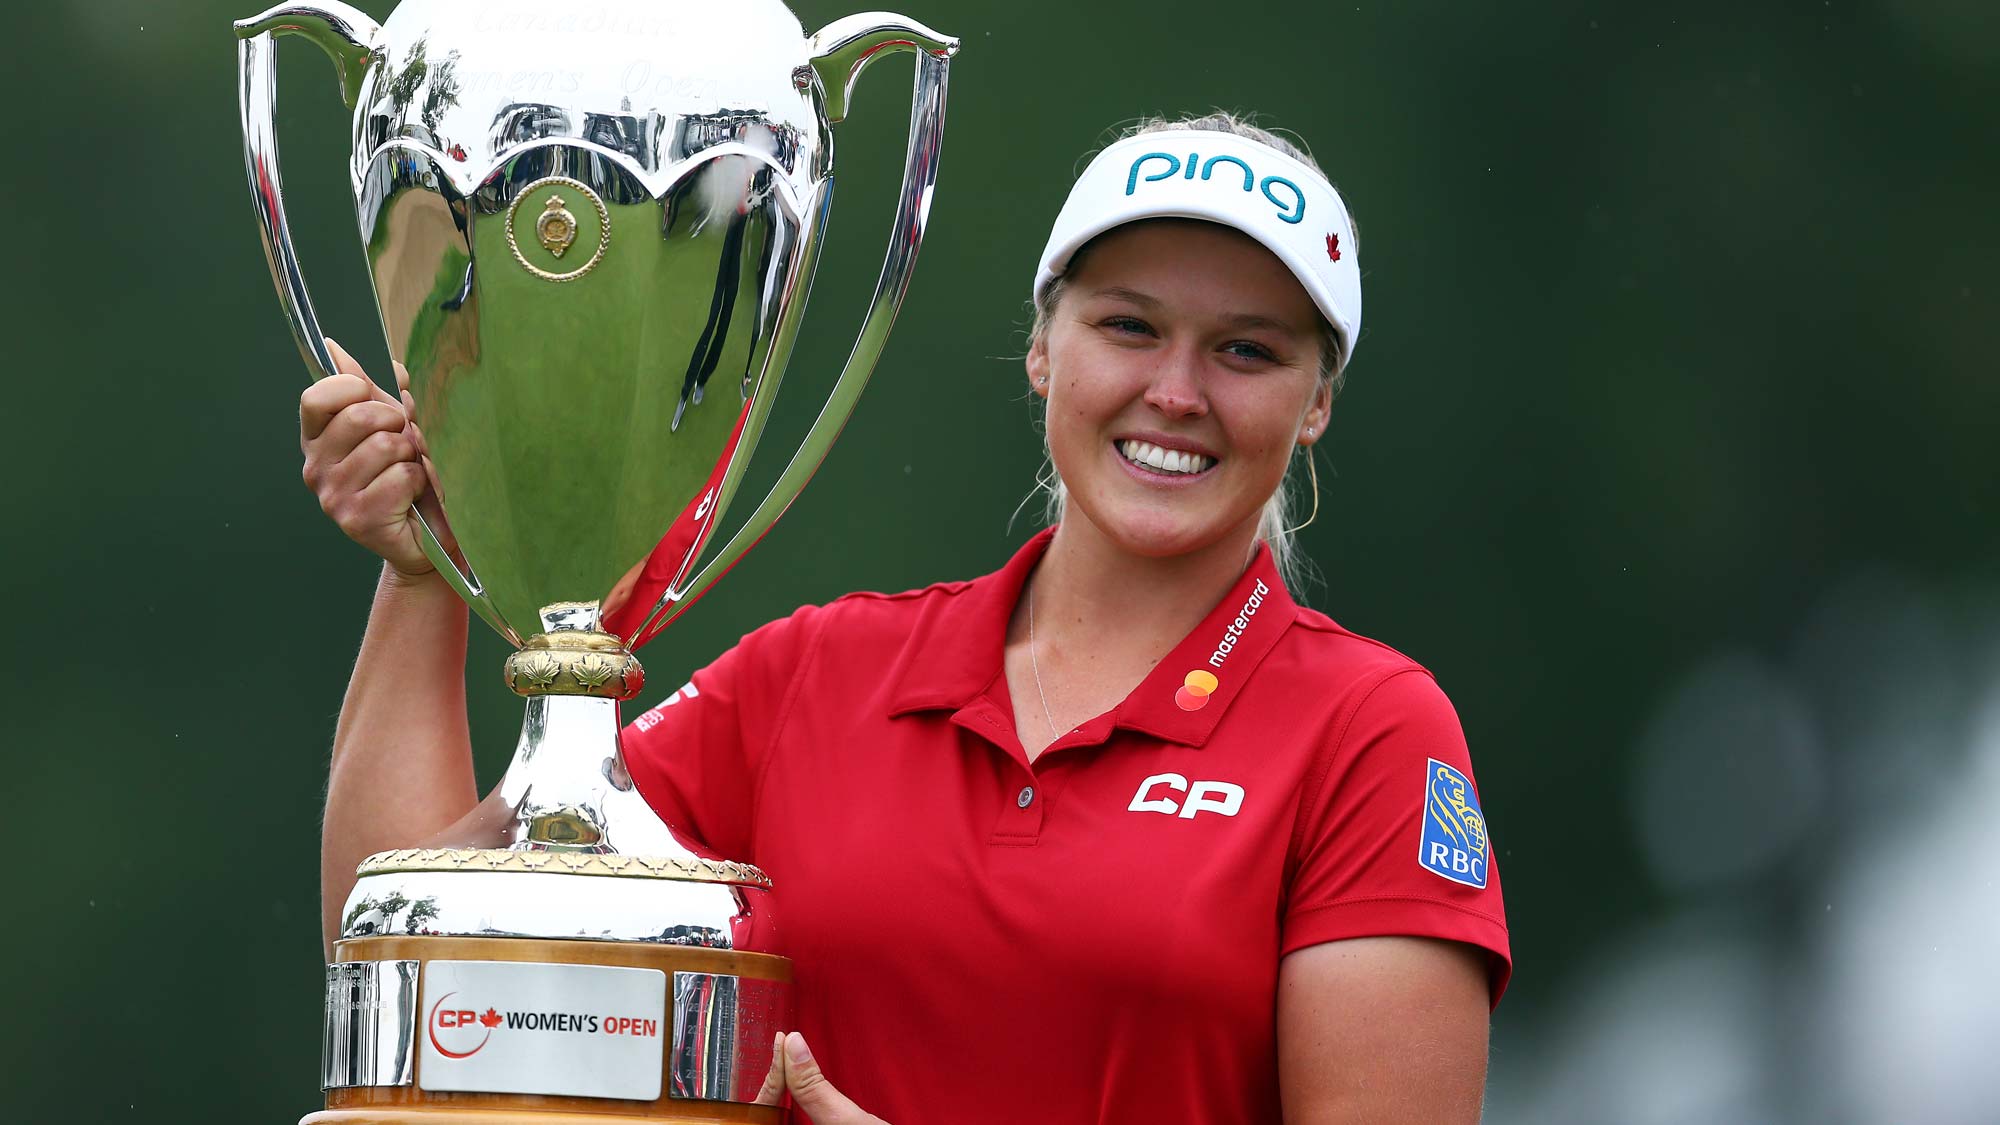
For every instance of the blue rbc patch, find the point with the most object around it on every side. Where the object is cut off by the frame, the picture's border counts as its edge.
(1454, 843)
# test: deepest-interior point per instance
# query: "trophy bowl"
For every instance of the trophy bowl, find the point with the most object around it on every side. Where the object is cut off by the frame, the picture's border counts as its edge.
(591, 230)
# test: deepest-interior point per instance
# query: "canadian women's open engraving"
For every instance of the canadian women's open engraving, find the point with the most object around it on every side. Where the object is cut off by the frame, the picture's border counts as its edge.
(369, 1034)
(723, 1030)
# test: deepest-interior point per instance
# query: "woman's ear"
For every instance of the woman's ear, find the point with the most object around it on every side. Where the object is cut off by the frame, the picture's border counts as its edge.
(1038, 366)
(1313, 426)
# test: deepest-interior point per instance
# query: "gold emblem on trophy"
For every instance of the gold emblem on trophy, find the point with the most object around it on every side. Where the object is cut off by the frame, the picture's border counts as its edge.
(557, 227)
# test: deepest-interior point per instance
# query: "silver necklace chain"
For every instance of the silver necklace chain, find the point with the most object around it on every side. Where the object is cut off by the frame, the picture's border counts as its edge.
(1036, 664)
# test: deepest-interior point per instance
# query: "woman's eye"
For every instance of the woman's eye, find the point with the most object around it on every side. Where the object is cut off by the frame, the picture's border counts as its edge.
(1127, 324)
(1249, 349)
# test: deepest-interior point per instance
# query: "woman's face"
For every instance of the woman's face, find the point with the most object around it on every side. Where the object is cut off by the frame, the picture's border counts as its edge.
(1181, 368)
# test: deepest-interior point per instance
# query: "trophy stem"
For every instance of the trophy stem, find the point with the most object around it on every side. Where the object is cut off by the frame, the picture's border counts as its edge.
(558, 782)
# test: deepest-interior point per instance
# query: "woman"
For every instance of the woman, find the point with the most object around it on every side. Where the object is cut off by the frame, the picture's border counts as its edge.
(1117, 833)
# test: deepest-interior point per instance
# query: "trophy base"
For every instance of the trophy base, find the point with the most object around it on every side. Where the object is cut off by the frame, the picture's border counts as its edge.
(440, 1115)
(723, 1009)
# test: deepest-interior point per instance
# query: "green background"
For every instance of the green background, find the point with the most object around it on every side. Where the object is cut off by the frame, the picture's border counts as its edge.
(1670, 447)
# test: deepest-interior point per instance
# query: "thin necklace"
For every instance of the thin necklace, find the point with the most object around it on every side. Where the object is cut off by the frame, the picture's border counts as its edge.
(1036, 664)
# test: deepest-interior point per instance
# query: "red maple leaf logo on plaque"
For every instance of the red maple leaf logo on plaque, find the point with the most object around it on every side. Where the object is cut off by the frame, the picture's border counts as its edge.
(491, 1018)
(1333, 248)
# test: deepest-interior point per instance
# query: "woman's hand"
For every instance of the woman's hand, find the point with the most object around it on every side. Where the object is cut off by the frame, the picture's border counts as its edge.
(364, 461)
(793, 1068)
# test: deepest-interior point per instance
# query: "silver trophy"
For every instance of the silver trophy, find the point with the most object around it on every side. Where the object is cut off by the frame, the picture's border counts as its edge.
(591, 228)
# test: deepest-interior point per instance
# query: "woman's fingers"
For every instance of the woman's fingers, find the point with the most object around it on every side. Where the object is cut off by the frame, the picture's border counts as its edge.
(385, 504)
(363, 462)
(813, 1093)
(324, 400)
(355, 425)
(348, 365)
(370, 458)
(343, 362)
(774, 1078)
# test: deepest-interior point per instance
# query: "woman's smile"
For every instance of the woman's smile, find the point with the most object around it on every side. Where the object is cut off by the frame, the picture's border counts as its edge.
(1164, 459)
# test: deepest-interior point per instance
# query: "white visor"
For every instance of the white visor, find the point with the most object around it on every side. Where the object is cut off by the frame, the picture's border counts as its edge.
(1227, 179)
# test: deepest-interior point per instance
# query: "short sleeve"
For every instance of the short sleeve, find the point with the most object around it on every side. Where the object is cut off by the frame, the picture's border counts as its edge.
(696, 758)
(1392, 839)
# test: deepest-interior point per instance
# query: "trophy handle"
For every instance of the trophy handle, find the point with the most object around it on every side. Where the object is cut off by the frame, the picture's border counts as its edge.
(349, 37)
(840, 52)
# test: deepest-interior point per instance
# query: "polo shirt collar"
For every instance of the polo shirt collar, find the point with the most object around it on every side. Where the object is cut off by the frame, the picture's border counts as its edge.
(958, 652)
(957, 655)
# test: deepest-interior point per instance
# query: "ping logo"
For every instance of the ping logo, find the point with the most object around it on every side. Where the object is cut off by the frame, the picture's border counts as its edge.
(1195, 690)
(1202, 796)
(1454, 838)
(1292, 211)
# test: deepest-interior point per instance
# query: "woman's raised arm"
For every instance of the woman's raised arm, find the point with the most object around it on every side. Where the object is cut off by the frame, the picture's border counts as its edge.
(402, 757)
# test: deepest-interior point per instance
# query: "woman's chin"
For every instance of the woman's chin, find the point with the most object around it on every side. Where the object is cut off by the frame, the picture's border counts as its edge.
(1155, 537)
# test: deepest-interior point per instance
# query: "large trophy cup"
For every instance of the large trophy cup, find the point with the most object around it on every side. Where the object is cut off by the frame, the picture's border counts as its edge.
(591, 227)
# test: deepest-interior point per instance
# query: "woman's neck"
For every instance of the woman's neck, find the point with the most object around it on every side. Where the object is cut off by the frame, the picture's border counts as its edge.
(1086, 587)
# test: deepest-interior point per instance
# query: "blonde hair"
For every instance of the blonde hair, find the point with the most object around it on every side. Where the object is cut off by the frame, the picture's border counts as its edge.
(1276, 524)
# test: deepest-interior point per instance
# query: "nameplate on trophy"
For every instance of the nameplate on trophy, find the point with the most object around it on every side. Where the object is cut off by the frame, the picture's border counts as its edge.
(507, 1027)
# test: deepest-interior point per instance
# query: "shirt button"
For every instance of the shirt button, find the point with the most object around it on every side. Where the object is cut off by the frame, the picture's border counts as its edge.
(1026, 797)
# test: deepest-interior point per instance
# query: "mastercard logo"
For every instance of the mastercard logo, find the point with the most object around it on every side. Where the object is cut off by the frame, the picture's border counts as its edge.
(1195, 690)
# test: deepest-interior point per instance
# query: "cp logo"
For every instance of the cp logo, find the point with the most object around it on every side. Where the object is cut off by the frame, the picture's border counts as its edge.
(1156, 795)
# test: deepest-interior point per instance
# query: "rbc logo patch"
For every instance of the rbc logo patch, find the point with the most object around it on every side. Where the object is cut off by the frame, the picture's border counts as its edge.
(1454, 842)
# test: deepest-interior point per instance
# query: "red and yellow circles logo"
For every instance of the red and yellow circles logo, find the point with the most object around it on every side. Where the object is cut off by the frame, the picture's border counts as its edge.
(1196, 689)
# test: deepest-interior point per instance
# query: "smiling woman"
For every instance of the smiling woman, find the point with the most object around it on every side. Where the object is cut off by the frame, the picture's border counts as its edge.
(1181, 370)
(1279, 519)
(1120, 832)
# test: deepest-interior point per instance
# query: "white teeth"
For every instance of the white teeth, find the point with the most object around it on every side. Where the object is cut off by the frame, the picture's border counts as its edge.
(1164, 460)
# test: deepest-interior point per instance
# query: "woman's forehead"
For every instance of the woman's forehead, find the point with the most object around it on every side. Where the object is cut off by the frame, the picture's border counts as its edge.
(1194, 263)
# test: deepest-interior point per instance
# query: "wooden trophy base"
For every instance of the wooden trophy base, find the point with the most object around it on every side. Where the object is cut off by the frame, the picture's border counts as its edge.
(414, 1105)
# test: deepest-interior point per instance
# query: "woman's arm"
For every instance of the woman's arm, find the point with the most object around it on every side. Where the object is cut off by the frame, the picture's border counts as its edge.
(1382, 1030)
(402, 759)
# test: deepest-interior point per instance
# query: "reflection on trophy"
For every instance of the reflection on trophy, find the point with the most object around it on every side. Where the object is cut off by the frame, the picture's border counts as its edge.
(591, 229)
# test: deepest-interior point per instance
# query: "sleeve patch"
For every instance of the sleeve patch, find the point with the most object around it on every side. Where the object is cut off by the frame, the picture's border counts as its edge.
(1454, 837)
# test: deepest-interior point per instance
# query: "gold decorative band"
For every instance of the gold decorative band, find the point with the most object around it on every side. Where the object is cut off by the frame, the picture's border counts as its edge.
(575, 663)
(565, 863)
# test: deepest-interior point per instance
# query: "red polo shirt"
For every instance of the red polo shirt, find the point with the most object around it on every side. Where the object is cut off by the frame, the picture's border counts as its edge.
(1095, 937)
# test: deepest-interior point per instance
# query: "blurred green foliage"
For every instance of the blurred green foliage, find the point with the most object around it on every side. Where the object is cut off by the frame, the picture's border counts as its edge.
(1675, 314)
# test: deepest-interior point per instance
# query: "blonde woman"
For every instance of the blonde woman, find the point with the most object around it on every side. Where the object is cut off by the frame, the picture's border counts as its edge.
(1117, 833)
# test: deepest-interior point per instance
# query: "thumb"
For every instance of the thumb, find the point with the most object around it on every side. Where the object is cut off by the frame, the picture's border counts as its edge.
(813, 1093)
(348, 365)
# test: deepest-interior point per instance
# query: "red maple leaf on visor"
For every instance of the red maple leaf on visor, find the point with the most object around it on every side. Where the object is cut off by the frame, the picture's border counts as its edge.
(491, 1018)
(1333, 248)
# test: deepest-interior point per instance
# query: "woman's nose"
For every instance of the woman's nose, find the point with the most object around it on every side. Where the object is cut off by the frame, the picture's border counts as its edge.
(1176, 390)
